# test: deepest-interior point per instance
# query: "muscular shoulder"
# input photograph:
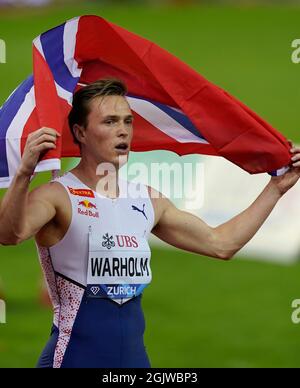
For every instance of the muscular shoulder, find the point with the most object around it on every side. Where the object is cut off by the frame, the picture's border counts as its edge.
(53, 195)
(51, 192)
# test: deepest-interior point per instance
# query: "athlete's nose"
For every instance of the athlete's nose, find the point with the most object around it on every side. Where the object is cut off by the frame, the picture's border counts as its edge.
(123, 130)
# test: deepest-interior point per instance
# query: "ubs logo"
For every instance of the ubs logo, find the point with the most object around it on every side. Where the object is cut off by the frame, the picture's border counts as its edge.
(108, 241)
(127, 241)
(121, 239)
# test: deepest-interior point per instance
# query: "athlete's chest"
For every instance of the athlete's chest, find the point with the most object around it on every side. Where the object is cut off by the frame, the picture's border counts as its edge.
(102, 214)
(106, 244)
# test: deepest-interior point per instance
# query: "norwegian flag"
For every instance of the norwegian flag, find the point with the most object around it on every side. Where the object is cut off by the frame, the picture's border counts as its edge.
(175, 108)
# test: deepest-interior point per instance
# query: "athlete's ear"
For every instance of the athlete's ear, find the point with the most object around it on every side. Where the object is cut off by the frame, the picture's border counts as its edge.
(79, 133)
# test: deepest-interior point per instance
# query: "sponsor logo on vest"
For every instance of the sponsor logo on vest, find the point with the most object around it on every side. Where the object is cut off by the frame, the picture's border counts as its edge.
(95, 290)
(120, 266)
(126, 241)
(87, 206)
(121, 290)
(133, 207)
(108, 241)
(122, 241)
(82, 192)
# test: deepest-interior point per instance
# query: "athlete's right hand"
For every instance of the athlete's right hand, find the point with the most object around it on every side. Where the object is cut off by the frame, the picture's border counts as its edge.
(38, 142)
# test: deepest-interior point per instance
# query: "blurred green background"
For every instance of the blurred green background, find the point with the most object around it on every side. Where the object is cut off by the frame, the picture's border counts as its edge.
(199, 312)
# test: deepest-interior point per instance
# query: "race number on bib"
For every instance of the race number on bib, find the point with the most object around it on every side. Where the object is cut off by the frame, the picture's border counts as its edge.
(118, 266)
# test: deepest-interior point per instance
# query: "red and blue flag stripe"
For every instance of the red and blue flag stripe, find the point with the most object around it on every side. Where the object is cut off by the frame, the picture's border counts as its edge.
(175, 108)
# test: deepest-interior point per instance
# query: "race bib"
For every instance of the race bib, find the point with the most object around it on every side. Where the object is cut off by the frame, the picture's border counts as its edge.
(118, 266)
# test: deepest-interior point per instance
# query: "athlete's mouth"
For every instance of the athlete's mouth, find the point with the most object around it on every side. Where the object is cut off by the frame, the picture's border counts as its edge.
(122, 146)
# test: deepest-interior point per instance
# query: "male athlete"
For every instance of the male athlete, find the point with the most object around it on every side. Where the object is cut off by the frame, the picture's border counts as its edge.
(93, 238)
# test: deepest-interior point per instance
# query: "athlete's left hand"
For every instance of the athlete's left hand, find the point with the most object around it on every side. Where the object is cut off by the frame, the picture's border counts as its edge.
(289, 179)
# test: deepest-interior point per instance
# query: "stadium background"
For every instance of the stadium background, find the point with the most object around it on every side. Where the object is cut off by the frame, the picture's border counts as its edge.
(199, 312)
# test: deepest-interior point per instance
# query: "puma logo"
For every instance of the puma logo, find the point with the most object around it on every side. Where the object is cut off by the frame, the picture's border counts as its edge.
(139, 210)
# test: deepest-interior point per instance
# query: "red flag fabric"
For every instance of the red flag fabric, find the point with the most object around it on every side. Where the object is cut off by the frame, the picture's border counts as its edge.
(175, 108)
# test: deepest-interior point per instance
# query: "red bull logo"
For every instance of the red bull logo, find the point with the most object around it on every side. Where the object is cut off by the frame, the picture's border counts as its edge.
(87, 204)
(85, 208)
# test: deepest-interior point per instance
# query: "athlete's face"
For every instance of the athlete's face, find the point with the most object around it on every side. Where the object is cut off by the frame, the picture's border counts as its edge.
(108, 133)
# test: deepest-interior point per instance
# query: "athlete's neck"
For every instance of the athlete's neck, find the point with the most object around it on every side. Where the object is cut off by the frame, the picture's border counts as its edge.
(106, 184)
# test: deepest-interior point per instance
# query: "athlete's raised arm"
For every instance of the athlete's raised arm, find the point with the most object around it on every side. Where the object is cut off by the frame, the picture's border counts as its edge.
(22, 214)
(186, 231)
